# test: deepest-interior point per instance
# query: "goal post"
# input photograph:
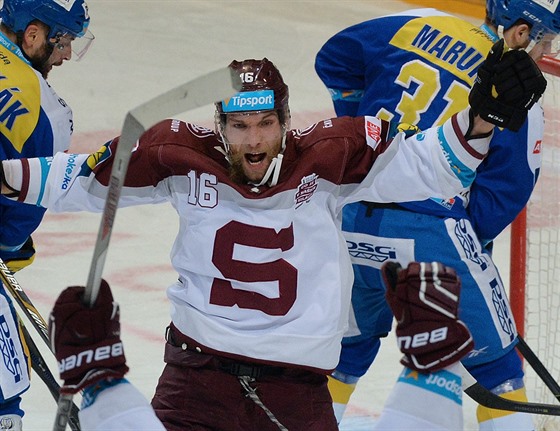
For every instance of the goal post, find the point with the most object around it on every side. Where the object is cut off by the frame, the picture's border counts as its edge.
(535, 256)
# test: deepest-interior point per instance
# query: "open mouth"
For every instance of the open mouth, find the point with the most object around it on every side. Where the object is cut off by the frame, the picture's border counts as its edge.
(254, 159)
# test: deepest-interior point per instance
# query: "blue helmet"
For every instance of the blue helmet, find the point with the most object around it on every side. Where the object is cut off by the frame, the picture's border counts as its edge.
(542, 15)
(62, 16)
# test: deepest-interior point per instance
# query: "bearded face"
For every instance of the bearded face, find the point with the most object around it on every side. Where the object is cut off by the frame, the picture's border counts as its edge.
(254, 140)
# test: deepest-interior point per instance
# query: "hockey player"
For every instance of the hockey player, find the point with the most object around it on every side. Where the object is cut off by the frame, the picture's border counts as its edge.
(263, 291)
(35, 36)
(110, 402)
(432, 58)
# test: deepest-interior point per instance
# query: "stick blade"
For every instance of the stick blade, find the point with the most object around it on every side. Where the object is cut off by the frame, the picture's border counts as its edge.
(214, 86)
(484, 397)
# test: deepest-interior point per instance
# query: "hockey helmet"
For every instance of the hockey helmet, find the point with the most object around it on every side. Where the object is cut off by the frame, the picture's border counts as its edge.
(263, 89)
(63, 17)
(542, 15)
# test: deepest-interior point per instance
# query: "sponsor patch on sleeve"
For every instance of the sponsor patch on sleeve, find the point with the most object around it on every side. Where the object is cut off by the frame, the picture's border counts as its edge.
(373, 131)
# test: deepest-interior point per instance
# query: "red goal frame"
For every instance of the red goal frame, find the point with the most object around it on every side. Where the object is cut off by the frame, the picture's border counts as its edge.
(518, 237)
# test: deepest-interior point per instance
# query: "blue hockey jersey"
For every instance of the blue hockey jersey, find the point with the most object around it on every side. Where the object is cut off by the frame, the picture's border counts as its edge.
(437, 57)
(34, 121)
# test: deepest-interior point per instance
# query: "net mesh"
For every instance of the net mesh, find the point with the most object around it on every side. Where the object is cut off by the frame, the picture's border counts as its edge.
(542, 292)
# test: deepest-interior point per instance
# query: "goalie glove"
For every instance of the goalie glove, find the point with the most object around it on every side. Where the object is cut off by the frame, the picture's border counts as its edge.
(86, 341)
(424, 299)
(508, 84)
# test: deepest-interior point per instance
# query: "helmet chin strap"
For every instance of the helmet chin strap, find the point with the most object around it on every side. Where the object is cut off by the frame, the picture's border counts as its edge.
(274, 170)
(531, 45)
(275, 165)
(501, 35)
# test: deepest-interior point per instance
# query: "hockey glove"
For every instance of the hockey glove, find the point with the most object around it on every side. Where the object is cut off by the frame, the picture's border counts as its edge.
(19, 259)
(506, 87)
(86, 341)
(424, 299)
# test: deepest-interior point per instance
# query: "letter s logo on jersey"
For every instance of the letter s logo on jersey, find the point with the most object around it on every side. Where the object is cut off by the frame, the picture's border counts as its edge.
(373, 131)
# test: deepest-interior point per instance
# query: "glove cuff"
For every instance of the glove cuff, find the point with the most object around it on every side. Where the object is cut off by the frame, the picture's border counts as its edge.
(92, 377)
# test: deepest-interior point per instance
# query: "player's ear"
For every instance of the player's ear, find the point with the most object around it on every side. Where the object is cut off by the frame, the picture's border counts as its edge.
(33, 36)
(520, 35)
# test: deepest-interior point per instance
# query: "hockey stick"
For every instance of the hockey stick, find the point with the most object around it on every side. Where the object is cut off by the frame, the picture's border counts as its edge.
(24, 302)
(201, 91)
(484, 397)
(37, 361)
(42, 369)
(539, 367)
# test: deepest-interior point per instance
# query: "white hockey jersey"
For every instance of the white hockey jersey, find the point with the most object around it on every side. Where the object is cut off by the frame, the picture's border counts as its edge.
(264, 272)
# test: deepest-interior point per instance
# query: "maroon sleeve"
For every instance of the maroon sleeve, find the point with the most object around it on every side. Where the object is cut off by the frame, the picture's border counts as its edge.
(344, 147)
(171, 147)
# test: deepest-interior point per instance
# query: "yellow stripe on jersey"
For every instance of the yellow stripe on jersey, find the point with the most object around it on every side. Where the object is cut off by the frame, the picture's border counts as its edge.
(440, 40)
(20, 99)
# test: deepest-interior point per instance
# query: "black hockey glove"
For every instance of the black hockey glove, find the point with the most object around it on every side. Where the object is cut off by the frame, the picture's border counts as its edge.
(506, 87)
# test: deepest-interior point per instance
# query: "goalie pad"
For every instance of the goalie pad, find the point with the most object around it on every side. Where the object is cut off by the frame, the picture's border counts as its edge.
(424, 299)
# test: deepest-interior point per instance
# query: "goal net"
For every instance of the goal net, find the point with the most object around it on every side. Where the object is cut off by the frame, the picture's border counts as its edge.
(535, 257)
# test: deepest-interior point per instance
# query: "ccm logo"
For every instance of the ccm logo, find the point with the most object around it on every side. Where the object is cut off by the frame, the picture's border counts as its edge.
(87, 356)
(422, 339)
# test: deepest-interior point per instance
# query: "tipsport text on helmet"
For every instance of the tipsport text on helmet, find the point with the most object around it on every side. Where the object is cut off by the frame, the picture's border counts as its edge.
(250, 101)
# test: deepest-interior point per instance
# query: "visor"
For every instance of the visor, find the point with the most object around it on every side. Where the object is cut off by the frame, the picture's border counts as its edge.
(79, 46)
